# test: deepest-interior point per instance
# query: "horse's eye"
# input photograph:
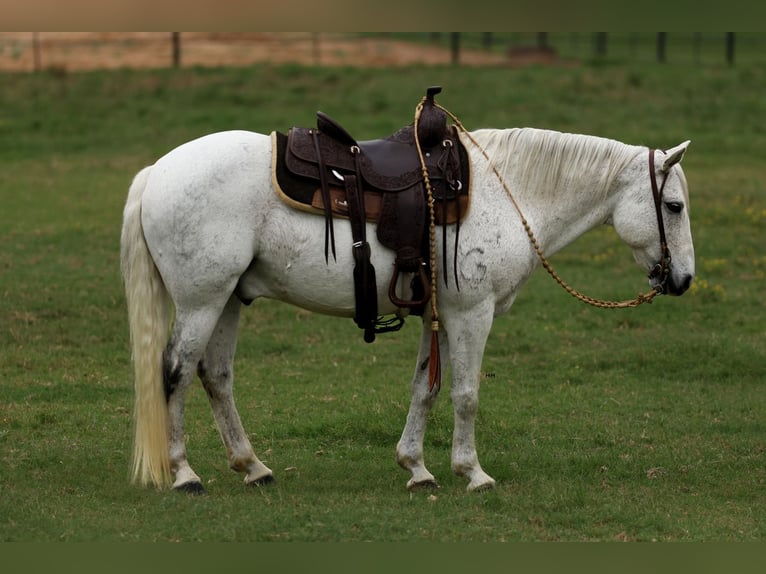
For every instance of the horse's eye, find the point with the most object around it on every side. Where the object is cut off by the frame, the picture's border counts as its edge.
(674, 206)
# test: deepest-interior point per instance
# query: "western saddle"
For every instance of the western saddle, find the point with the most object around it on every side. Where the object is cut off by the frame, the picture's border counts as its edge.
(326, 170)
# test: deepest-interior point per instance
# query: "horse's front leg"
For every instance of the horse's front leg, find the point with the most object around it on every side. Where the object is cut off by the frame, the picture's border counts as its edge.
(468, 334)
(409, 450)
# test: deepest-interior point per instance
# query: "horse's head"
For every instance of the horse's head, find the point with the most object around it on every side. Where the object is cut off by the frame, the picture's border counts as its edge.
(654, 202)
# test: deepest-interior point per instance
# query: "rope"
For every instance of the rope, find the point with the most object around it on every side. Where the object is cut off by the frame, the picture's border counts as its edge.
(434, 359)
(640, 299)
(432, 220)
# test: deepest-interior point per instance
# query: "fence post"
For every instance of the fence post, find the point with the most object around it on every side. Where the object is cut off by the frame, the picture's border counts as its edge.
(36, 50)
(662, 40)
(176, 36)
(601, 44)
(455, 43)
(316, 48)
(696, 47)
(730, 48)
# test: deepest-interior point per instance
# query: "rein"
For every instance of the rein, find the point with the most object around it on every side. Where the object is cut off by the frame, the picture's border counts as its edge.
(661, 270)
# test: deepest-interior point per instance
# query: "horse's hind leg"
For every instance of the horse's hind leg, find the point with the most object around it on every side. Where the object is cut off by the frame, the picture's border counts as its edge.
(191, 332)
(216, 370)
(409, 450)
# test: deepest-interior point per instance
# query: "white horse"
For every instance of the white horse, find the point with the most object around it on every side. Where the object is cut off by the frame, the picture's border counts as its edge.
(204, 230)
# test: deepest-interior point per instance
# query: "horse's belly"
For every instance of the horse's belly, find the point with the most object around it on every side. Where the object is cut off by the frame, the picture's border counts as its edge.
(328, 291)
(324, 292)
(290, 266)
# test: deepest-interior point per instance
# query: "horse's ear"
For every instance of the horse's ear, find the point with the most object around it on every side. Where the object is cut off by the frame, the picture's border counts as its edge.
(674, 155)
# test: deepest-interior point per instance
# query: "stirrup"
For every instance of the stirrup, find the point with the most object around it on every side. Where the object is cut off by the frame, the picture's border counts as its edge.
(424, 279)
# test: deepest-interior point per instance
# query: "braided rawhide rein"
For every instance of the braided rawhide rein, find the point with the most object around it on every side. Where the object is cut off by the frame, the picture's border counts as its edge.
(434, 361)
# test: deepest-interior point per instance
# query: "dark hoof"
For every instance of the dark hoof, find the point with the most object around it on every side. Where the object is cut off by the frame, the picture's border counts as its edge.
(263, 481)
(426, 485)
(191, 488)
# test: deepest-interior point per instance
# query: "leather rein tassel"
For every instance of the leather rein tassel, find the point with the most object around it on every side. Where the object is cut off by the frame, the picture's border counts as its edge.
(329, 232)
(434, 360)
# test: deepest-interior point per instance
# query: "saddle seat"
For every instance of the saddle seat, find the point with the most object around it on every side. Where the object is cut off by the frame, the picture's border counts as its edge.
(390, 164)
(327, 171)
(385, 165)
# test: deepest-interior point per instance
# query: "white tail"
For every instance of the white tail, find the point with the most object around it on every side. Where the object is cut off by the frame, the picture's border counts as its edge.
(148, 315)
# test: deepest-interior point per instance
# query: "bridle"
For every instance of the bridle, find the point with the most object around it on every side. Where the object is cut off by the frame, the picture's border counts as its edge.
(661, 271)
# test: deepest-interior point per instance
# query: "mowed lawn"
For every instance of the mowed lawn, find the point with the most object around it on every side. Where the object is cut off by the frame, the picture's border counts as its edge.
(639, 425)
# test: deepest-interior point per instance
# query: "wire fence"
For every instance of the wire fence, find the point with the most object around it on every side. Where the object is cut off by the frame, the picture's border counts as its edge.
(73, 51)
(701, 48)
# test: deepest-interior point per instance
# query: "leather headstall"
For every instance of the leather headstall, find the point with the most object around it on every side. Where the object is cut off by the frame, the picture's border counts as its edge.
(661, 271)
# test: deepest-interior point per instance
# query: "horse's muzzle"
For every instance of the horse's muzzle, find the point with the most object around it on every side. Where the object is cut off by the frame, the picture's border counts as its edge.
(680, 287)
(667, 283)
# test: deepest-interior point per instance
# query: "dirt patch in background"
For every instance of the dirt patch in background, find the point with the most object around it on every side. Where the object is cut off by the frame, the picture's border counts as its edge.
(75, 51)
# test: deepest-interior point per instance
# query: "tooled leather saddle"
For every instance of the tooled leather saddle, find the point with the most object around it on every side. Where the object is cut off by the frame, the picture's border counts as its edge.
(327, 171)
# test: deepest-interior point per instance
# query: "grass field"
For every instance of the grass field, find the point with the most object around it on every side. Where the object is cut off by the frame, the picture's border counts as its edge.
(636, 425)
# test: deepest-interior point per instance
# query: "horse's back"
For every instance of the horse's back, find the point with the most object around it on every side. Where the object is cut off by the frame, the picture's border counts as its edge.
(200, 204)
(217, 151)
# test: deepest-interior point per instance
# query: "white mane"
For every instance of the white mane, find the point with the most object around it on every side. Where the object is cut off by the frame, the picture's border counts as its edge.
(545, 162)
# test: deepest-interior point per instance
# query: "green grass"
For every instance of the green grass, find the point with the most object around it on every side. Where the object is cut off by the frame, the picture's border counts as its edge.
(598, 425)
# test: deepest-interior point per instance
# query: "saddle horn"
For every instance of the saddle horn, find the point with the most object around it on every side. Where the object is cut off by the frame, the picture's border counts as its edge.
(432, 124)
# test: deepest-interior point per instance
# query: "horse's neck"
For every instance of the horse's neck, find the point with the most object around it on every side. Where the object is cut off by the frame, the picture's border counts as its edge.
(561, 182)
(560, 219)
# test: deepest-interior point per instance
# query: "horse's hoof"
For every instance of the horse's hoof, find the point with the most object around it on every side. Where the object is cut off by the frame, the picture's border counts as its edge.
(423, 485)
(263, 481)
(193, 488)
(482, 487)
